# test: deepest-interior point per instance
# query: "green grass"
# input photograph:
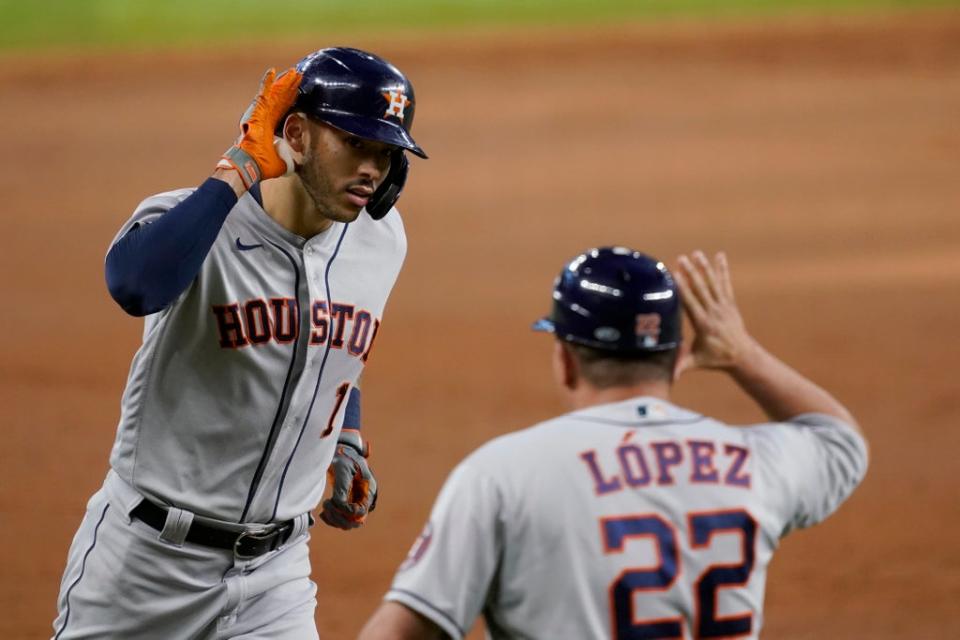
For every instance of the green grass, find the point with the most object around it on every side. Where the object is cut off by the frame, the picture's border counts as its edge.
(39, 24)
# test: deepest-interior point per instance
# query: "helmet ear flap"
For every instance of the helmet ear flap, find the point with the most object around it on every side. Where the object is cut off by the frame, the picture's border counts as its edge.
(388, 192)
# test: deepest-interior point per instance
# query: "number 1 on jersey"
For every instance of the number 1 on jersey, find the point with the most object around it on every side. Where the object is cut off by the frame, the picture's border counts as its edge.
(341, 396)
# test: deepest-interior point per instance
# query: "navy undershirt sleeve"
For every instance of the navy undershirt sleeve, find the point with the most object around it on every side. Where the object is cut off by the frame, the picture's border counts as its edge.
(154, 263)
(351, 416)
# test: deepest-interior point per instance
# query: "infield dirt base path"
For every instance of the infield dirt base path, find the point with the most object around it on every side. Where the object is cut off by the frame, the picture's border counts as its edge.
(823, 156)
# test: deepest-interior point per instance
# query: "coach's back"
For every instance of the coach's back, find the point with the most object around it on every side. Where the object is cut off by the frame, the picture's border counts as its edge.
(633, 506)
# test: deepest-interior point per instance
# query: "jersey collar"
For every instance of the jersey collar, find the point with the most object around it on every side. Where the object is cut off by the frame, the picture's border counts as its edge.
(637, 412)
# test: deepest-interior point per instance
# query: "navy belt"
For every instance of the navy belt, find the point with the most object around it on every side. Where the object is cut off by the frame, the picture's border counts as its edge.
(244, 544)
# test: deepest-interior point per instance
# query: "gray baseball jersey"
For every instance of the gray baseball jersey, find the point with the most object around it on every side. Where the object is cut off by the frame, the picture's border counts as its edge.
(231, 415)
(257, 358)
(636, 519)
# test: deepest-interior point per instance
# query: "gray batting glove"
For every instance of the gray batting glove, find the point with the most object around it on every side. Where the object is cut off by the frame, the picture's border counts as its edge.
(354, 487)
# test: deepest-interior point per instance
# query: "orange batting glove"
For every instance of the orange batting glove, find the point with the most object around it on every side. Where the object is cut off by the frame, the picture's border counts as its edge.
(254, 156)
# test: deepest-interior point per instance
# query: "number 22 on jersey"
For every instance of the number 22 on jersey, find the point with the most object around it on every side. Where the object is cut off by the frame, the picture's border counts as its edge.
(615, 533)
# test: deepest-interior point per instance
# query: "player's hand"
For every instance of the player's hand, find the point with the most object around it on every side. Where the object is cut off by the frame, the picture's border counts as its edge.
(255, 155)
(354, 487)
(720, 339)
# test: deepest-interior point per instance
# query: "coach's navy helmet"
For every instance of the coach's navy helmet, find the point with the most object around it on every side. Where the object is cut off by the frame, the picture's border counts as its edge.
(359, 93)
(615, 299)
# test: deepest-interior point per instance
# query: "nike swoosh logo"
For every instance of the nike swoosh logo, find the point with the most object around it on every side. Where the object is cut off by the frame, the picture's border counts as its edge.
(246, 247)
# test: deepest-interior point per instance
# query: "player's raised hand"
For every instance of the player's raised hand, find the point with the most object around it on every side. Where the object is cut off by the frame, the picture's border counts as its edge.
(720, 339)
(255, 155)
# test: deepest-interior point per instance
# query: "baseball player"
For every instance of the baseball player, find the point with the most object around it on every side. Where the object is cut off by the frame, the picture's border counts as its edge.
(630, 517)
(263, 291)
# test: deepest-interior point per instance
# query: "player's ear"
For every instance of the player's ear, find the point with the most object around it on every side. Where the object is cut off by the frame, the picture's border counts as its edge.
(296, 133)
(565, 366)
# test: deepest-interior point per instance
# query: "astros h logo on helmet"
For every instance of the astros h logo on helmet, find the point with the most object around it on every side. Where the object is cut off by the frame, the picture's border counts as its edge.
(398, 101)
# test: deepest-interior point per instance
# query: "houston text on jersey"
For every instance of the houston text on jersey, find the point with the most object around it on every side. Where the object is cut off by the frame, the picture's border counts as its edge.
(259, 321)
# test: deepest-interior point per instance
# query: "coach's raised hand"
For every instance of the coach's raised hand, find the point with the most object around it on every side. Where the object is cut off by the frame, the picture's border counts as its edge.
(255, 155)
(722, 342)
(720, 338)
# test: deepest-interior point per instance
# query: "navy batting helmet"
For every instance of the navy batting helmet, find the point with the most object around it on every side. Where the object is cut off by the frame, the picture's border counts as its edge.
(359, 93)
(615, 299)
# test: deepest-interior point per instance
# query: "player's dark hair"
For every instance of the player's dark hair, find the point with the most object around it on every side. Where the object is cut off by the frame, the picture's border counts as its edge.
(607, 369)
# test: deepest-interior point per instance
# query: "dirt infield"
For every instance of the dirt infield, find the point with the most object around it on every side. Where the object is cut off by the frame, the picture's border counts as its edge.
(824, 157)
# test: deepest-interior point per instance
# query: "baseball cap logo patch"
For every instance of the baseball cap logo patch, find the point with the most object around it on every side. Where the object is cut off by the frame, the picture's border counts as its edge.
(648, 328)
(398, 101)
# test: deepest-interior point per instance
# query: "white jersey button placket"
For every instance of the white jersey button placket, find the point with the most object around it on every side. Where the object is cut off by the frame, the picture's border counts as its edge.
(314, 265)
